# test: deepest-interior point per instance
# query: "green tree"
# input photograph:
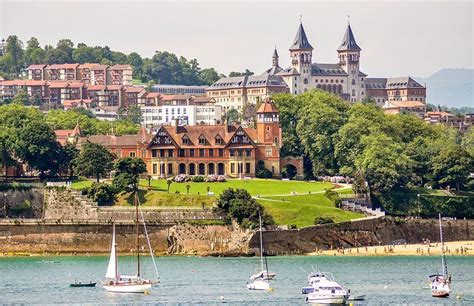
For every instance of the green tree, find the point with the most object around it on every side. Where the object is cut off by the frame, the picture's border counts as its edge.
(236, 74)
(128, 171)
(320, 119)
(136, 61)
(468, 141)
(14, 51)
(21, 98)
(66, 46)
(239, 205)
(33, 53)
(67, 155)
(94, 160)
(84, 54)
(359, 185)
(6, 149)
(384, 163)
(232, 116)
(208, 76)
(38, 147)
(451, 166)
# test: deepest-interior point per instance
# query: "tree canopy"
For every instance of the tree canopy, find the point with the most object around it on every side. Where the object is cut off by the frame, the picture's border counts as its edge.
(94, 161)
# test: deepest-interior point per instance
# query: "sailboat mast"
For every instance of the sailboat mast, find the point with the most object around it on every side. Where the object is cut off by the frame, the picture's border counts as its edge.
(115, 254)
(137, 233)
(261, 240)
(444, 266)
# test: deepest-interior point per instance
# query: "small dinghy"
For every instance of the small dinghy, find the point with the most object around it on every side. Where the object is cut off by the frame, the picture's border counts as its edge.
(80, 284)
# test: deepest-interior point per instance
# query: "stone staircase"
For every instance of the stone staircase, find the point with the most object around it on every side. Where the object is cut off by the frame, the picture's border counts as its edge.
(360, 205)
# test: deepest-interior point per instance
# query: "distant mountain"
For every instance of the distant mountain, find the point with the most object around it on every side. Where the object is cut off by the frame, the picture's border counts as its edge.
(450, 87)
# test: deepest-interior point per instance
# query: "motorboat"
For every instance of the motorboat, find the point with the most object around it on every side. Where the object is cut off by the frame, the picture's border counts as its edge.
(81, 284)
(259, 284)
(323, 289)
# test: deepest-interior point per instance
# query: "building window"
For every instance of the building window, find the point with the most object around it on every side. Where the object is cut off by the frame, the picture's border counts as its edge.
(248, 152)
(185, 140)
(181, 153)
(231, 151)
(268, 152)
(247, 167)
(218, 140)
(155, 168)
(170, 168)
(232, 168)
(268, 129)
(154, 153)
(162, 152)
(201, 152)
(202, 140)
(191, 152)
(170, 152)
(221, 152)
(211, 152)
(240, 152)
(143, 153)
(133, 154)
(118, 152)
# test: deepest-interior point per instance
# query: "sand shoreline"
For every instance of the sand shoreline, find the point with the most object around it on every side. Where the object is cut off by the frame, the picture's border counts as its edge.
(458, 248)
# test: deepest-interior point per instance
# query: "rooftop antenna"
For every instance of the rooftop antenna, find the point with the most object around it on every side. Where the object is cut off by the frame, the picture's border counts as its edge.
(348, 19)
(301, 18)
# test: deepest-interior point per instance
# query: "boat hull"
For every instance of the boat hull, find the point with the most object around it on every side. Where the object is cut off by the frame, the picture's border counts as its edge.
(128, 288)
(324, 299)
(79, 285)
(258, 285)
(440, 293)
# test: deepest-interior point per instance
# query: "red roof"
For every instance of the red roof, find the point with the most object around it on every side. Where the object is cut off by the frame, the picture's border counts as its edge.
(267, 107)
(120, 67)
(96, 87)
(74, 103)
(62, 66)
(36, 66)
(58, 84)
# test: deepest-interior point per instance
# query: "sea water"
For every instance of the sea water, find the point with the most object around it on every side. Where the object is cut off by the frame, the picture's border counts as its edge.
(207, 280)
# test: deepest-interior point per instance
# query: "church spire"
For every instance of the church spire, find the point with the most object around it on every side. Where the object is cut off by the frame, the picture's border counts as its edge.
(349, 42)
(301, 41)
(275, 58)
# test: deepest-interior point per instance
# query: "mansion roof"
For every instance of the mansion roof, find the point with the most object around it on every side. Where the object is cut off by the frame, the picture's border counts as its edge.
(392, 83)
(189, 136)
(248, 81)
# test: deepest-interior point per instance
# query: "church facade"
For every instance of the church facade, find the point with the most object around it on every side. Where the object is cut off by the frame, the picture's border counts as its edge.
(343, 78)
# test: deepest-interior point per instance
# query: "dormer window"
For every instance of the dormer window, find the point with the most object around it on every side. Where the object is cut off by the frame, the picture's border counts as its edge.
(218, 140)
(202, 140)
(185, 140)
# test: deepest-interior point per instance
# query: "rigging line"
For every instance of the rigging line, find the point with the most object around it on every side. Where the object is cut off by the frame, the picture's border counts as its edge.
(148, 239)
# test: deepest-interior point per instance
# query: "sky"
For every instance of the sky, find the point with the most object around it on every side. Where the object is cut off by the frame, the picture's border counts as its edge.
(397, 38)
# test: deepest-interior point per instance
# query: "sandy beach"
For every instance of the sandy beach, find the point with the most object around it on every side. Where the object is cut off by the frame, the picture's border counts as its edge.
(464, 248)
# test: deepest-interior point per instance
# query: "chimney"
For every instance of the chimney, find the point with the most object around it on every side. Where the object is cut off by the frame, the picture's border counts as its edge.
(176, 124)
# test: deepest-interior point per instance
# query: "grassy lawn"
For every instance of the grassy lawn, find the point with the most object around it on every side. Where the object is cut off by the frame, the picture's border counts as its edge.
(301, 210)
(161, 199)
(81, 183)
(254, 186)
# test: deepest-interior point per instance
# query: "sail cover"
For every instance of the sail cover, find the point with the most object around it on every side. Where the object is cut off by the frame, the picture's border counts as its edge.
(112, 267)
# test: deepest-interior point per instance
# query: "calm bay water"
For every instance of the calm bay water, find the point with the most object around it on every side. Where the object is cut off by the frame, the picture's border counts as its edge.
(194, 280)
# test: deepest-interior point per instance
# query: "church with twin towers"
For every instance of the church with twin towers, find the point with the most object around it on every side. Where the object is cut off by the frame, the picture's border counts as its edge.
(343, 78)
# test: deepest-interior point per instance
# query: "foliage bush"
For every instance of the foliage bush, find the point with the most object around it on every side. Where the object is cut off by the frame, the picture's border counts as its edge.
(323, 220)
(103, 194)
(334, 197)
(238, 205)
(198, 179)
(261, 171)
(409, 204)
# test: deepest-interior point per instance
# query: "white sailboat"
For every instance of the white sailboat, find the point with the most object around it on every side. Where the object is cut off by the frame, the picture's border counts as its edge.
(115, 282)
(260, 280)
(440, 282)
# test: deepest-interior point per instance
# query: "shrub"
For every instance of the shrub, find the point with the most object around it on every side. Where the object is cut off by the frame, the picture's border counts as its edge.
(103, 194)
(261, 171)
(198, 178)
(334, 197)
(239, 205)
(323, 220)
(181, 178)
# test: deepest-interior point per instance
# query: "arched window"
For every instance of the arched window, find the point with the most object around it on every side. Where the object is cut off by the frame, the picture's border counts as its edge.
(353, 82)
(339, 89)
